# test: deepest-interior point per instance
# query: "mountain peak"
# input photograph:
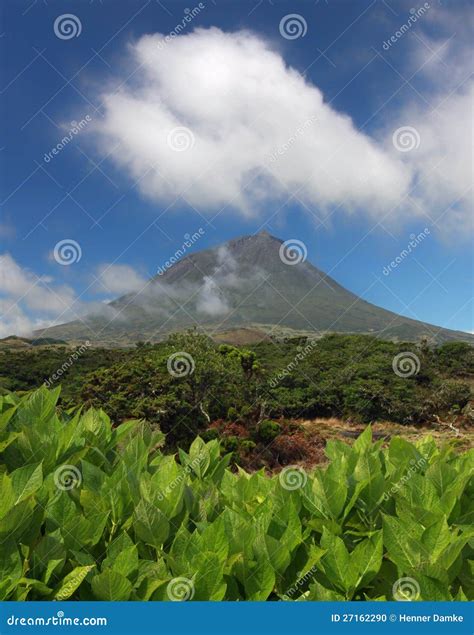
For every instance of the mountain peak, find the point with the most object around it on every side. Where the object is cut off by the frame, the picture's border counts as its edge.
(246, 281)
(259, 238)
(263, 233)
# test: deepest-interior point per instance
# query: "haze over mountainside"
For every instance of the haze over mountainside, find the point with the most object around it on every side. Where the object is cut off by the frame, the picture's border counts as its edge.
(250, 281)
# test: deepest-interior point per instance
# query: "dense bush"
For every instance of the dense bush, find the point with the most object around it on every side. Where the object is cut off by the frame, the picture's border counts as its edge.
(181, 394)
(89, 512)
(268, 430)
(353, 376)
(348, 376)
(455, 358)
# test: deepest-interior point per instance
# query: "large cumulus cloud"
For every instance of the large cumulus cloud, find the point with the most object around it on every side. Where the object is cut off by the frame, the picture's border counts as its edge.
(258, 130)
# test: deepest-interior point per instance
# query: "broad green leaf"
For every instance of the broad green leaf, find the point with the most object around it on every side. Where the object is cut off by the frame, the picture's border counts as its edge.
(321, 594)
(331, 494)
(10, 563)
(150, 524)
(125, 562)
(47, 556)
(26, 481)
(209, 580)
(72, 582)
(336, 562)
(7, 494)
(366, 559)
(402, 549)
(364, 440)
(111, 586)
(436, 538)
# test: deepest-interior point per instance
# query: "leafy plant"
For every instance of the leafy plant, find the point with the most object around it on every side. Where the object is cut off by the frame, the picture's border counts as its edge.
(93, 512)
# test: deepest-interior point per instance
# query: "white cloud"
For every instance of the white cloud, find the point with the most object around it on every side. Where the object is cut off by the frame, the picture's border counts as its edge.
(212, 295)
(211, 300)
(13, 321)
(118, 279)
(259, 132)
(245, 109)
(29, 302)
(442, 164)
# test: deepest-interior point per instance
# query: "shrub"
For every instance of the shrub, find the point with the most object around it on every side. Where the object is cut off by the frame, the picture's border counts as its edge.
(268, 430)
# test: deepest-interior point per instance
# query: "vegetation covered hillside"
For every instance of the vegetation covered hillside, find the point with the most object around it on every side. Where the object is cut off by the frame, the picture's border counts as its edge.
(93, 512)
(248, 396)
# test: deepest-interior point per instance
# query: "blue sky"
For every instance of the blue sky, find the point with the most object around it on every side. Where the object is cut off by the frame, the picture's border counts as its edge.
(128, 204)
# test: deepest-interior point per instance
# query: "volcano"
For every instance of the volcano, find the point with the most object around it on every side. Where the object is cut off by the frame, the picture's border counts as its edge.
(254, 282)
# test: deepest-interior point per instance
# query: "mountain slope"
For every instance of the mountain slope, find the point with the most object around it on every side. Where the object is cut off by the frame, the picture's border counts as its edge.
(244, 282)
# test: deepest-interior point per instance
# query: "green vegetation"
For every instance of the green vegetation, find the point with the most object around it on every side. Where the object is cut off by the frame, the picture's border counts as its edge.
(247, 395)
(89, 511)
(30, 368)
